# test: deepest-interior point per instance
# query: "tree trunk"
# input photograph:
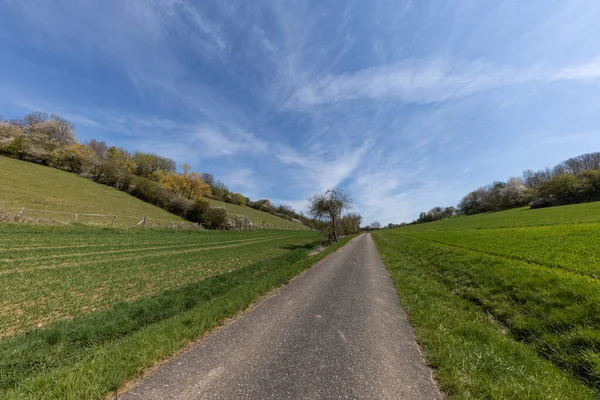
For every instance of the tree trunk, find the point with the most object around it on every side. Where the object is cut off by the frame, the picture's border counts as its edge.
(333, 223)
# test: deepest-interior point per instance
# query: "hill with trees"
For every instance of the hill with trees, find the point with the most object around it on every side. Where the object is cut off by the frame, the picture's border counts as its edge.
(576, 180)
(50, 140)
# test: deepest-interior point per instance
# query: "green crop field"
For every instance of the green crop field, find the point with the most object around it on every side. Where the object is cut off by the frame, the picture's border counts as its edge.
(84, 309)
(507, 304)
(57, 195)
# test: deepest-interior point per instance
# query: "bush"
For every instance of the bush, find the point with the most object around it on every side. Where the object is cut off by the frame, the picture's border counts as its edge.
(238, 221)
(216, 217)
(542, 203)
(563, 188)
(178, 206)
(198, 212)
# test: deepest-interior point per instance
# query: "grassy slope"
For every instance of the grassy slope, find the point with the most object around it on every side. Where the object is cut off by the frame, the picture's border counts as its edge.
(504, 312)
(569, 214)
(24, 184)
(256, 216)
(125, 319)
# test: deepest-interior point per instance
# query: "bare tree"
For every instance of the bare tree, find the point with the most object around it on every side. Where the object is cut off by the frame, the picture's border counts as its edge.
(64, 130)
(376, 225)
(329, 206)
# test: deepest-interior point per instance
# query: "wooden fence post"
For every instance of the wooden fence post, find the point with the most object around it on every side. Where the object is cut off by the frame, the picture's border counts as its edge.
(144, 223)
(113, 221)
(75, 218)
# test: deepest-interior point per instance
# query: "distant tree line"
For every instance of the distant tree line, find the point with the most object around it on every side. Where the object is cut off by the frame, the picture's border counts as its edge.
(575, 180)
(50, 139)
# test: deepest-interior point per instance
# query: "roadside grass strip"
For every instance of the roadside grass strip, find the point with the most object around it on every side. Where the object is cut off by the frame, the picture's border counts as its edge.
(90, 356)
(495, 327)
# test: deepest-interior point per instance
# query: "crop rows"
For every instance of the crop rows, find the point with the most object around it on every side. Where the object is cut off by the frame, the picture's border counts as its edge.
(572, 247)
(54, 273)
(537, 284)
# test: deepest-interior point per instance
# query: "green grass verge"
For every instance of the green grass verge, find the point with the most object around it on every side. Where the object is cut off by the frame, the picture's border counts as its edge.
(93, 355)
(494, 327)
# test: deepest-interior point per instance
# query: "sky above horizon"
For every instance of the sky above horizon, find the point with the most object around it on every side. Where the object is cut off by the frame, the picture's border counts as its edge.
(406, 105)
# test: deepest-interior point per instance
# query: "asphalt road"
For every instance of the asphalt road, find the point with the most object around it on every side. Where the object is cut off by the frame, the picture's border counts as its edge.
(336, 332)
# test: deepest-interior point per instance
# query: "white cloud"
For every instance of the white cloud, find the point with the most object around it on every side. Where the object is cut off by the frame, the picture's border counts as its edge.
(245, 181)
(215, 143)
(319, 171)
(430, 81)
(585, 71)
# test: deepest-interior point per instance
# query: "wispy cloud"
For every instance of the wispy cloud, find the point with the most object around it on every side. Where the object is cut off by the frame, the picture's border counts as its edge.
(214, 143)
(430, 81)
(319, 172)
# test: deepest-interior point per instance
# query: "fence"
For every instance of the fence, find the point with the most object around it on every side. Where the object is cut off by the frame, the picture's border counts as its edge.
(37, 215)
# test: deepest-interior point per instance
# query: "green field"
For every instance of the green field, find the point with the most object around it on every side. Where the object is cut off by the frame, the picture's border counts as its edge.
(507, 304)
(57, 195)
(85, 309)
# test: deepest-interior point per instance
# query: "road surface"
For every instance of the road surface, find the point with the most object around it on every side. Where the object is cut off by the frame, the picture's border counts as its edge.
(336, 332)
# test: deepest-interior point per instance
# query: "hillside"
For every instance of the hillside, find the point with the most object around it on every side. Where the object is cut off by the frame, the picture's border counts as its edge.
(42, 189)
(523, 216)
(256, 216)
(504, 302)
(54, 194)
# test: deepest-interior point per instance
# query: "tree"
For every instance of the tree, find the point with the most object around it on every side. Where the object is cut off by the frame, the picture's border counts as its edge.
(208, 179)
(188, 185)
(449, 211)
(350, 224)
(147, 164)
(63, 130)
(118, 165)
(238, 199)
(376, 225)
(76, 158)
(329, 207)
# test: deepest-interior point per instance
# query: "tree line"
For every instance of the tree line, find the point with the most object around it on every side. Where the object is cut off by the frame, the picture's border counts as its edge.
(575, 180)
(49, 139)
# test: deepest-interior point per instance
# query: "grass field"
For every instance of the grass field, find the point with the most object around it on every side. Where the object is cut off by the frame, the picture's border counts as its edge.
(505, 305)
(84, 309)
(42, 189)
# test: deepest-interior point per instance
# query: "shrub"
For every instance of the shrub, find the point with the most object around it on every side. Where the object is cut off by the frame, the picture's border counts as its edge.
(238, 221)
(542, 203)
(178, 206)
(216, 217)
(198, 211)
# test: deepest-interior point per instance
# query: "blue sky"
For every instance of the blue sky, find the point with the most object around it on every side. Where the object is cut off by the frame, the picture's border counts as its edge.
(405, 104)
